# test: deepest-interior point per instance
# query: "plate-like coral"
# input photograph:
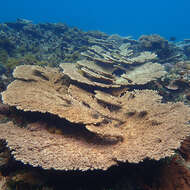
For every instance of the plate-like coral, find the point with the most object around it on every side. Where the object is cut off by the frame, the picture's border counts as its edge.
(108, 128)
(45, 90)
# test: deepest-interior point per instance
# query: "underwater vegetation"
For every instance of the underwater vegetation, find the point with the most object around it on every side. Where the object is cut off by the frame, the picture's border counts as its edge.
(87, 110)
(6, 45)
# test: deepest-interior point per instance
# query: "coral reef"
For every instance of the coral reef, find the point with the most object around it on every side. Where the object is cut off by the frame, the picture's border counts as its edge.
(3, 182)
(159, 45)
(176, 81)
(112, 74)
(153, 42)
(55, 43)
(88, 109)
(172, 176)
(126, 128)
(143, 74)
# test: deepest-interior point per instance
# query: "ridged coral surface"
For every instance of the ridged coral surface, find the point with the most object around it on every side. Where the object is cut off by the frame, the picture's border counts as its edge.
(108, 128)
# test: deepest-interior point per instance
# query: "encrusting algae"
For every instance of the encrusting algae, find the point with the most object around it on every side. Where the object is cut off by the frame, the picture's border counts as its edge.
(98, 128)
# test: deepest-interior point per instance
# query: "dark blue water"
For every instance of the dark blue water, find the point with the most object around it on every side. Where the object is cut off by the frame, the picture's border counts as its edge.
(165, 17)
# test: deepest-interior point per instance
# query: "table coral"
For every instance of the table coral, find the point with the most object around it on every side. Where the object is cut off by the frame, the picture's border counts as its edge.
(97, 128)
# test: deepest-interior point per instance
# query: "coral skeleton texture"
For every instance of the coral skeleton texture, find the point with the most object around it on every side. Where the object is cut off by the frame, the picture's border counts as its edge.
(98, 128)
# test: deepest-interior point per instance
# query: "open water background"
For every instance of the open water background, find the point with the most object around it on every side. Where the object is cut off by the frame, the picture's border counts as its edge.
(135, 17)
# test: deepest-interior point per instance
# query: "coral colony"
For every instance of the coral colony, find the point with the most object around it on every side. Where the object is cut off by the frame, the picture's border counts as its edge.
(102, 103)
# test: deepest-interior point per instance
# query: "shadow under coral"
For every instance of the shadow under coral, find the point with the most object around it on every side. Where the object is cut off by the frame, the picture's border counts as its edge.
(131, 176)
(61, 126)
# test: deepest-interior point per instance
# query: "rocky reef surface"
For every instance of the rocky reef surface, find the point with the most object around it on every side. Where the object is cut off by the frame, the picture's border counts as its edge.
(87, 110)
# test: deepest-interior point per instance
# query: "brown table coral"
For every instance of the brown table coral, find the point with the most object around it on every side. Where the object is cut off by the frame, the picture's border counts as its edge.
(101, 129)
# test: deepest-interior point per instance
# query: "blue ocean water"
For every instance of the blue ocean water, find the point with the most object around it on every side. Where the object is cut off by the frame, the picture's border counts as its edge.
(136, 17)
